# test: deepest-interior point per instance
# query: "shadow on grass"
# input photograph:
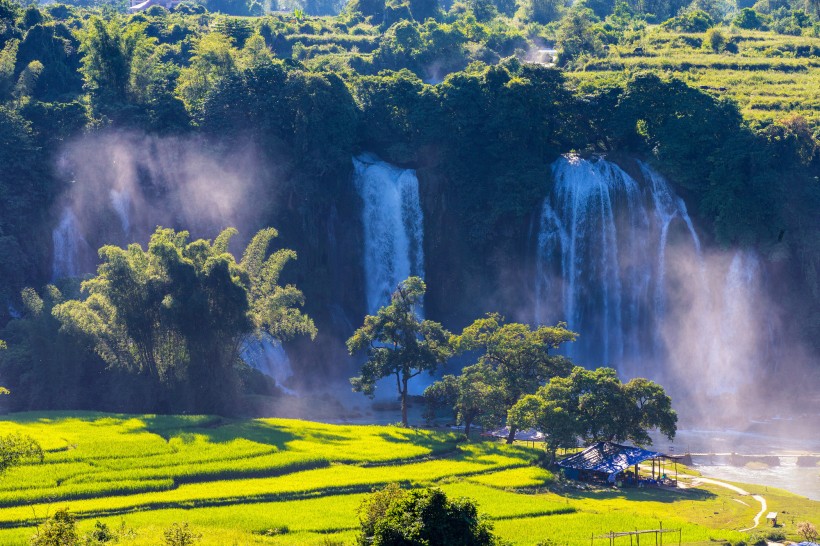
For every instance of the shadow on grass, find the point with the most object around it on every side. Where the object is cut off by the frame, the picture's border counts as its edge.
(641, 494)
(219, 430)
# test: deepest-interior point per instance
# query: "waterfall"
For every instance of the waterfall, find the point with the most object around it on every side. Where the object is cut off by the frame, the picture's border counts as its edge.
(67, 241)
(267, 355)
(603, 265)
(601, 258)
(393, 227)
(393, 238)
(121, 202)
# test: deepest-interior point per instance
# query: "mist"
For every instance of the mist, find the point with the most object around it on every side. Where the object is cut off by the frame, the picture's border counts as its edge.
(121, 186)
(620, 260)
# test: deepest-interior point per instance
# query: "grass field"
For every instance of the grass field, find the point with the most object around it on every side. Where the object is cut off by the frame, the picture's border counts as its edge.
(770, 77)
(279, 481)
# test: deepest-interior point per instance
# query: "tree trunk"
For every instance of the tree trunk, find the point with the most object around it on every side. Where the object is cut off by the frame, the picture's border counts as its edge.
(511, 435)
(467, 424)
(404, 403)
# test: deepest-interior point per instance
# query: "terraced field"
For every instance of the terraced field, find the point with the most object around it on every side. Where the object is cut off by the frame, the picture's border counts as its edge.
(278, 481)
(770, 77)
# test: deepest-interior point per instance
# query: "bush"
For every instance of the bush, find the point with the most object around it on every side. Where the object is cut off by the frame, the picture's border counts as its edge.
(749, 19)
(393, 517)
(807, 531)
(100, 534)
(58, 530)
(775, 536)
(179, 534)
(693, 21)
(18, 448)
(715, 40)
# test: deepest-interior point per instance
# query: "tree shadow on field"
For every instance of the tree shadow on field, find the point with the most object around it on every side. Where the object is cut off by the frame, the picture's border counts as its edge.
(58, 417)
(219, 430)
(642, 494)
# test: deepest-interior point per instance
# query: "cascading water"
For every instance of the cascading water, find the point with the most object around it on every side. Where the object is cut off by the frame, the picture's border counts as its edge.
(601, 230)
(269, 357)
(121, 202)
(603, 267)
(393, 227)
(393, 236)
(67, 240)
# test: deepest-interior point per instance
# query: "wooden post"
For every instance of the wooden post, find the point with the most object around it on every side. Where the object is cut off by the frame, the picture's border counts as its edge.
(661, 533)
(637, 537)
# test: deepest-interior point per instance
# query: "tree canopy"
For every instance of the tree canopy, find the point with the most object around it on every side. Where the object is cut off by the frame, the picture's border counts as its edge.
(180, 311)
(518, 355)
(595, 405)
(394, 517)
(475, 395)
(398, 343)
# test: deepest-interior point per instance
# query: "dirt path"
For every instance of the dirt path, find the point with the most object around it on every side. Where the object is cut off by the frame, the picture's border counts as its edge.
(739, 491)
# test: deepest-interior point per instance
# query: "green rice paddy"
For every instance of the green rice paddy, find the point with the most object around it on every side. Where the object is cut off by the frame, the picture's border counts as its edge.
(772, 76)
(280, 481)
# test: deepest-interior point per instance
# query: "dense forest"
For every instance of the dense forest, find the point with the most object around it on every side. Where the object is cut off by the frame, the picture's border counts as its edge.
(242, 114)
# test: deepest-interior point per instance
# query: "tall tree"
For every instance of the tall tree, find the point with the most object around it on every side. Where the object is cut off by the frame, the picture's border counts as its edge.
(519, 355)
(181, 311)
(398, 343)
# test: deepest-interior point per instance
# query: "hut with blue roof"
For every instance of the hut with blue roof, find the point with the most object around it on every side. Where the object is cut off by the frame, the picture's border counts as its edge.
(610, 462)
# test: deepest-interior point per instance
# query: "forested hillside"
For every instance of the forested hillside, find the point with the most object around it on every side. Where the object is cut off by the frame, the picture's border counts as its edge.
(242, 114)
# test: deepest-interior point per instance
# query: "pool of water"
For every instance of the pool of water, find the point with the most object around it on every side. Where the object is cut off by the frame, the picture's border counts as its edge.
(803, 481)
(784, 438)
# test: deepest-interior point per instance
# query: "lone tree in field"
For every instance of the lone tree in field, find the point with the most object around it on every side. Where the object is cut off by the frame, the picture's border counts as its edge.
(398, 343)
(518, 355)
(179, 312)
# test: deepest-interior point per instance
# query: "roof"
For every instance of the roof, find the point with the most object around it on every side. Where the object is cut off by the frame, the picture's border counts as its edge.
(608, 458)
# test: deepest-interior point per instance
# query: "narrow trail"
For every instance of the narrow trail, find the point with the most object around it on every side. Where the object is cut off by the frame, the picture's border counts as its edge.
(739, 491)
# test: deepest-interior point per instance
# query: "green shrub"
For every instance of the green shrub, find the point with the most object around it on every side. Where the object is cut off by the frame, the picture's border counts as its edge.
(393, 516)
(58, 530)
(179, 534)
(749, 19)
(100, 534)
(693, 21)
(776, 535)
(715, 40)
